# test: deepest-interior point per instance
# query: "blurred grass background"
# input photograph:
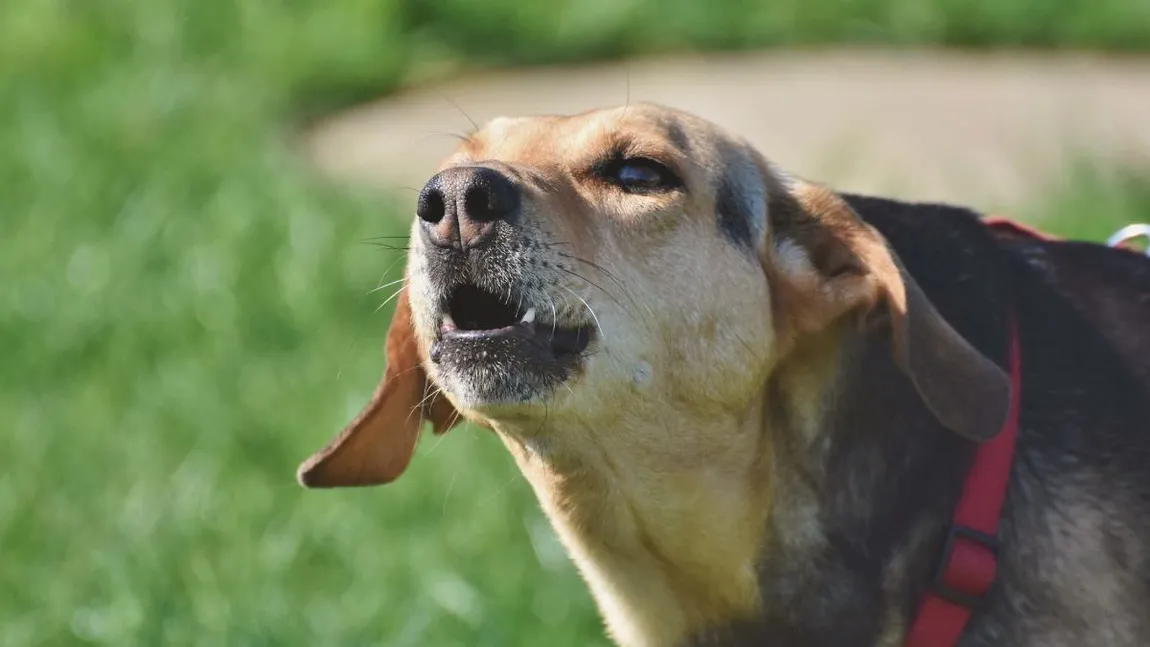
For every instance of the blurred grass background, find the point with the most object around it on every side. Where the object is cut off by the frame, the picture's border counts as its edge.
(184, 310)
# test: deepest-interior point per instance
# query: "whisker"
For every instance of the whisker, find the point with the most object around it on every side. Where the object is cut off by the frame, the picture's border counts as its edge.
(447, 494)
(499, 490)
(594, 265)
(602, 269)
(351, 347)
(386, 273)
(595, 285)
(455, 417)
(750, 349)
(391, 266)
(405, 371)
(586, 305)
(387, 285)
(626, 291)
(390, 248)
(429, 391)
(474, 126)
(546, 416)
(499, 148)
(389, 299)
(400, 374)
(627, 103)
(428, 134)
(605, 271)
(426, 398)
(554, 316)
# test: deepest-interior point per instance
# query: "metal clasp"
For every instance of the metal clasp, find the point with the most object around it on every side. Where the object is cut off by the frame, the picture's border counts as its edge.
(972, 569)
(1129, 233)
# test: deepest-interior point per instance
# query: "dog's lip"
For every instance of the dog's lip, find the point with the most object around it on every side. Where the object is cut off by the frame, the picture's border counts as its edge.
(447, 326)
(559, 342)
(448, 330)
(535, 331)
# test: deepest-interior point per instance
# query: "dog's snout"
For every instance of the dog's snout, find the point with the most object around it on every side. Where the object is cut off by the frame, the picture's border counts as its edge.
(460, 206)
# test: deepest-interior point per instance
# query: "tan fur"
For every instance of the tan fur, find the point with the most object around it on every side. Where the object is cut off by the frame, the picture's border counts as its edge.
(641, 508)
(658, 464)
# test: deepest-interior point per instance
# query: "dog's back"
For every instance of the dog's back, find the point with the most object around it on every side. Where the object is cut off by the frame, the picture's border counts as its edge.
(1075, 561)
(1109, 287)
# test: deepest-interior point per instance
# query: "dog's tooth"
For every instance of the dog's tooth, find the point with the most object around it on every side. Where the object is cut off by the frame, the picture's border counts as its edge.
(448, 323)
(529, 316)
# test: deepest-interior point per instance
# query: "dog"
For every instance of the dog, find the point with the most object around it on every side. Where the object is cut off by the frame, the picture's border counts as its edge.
(749, 404)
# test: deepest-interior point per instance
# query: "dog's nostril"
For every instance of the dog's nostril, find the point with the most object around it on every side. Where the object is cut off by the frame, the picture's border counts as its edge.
(430, 206)
(477, 204)
(490, 196)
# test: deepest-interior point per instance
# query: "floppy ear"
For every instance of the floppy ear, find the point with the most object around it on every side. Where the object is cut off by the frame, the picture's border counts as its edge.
(377, 446)
(824, 262)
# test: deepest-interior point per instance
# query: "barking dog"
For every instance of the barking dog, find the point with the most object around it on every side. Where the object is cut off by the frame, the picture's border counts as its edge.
(748, 404)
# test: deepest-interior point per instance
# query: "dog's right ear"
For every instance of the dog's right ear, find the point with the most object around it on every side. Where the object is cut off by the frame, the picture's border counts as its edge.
(825, 263)
(378, 445)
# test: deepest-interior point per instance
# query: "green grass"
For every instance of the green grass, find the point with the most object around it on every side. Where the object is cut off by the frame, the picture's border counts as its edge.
(185, 311)
(1094, 201)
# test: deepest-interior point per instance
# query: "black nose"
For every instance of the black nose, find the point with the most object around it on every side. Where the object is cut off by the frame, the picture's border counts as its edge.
(460, 206)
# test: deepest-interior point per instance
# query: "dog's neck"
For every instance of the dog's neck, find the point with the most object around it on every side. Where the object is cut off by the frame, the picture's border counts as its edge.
(663, 534)
(666, 513)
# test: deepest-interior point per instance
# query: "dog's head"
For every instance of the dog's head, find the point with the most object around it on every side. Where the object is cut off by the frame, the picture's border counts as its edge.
(577, 268)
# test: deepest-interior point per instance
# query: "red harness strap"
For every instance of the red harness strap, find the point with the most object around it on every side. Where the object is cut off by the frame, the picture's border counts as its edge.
(969, 557)
(1004, 224)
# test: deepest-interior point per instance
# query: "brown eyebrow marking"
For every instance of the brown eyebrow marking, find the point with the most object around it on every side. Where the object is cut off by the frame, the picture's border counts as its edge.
(678, 137)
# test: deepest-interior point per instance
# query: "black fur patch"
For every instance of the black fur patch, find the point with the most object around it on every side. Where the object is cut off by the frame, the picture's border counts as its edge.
(734, 219)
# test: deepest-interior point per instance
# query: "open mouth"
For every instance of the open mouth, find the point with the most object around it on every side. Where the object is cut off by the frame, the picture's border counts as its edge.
(475, 315)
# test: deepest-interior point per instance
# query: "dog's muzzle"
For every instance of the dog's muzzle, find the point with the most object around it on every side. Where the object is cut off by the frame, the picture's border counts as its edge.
(501, 334)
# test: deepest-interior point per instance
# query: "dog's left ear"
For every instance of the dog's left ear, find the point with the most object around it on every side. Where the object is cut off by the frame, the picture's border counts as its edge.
(825, 263)
(378, 445)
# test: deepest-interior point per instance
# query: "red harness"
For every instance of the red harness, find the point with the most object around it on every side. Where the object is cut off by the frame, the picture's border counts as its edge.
(970, 553)
(969, 559)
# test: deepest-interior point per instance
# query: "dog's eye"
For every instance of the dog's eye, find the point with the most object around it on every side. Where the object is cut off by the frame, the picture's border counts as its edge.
(641, 175)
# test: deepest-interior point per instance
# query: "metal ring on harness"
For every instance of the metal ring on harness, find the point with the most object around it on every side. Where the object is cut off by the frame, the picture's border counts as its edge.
(1131, 232)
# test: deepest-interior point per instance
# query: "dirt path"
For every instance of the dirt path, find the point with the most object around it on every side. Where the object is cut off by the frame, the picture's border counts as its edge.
(985, 130)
